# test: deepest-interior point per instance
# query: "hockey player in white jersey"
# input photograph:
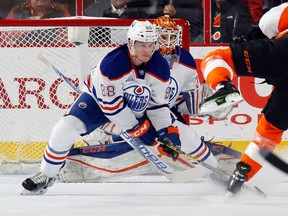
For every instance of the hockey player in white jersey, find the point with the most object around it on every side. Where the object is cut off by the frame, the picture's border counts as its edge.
(184, 84)
(129, 87)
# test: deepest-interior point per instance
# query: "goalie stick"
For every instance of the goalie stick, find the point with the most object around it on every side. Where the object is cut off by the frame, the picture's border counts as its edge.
(274, 160)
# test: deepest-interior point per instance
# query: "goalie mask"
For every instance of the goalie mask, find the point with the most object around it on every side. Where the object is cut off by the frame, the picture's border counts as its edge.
(168, 34)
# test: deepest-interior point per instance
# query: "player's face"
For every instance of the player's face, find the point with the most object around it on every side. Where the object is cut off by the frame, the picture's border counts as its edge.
(144, 50)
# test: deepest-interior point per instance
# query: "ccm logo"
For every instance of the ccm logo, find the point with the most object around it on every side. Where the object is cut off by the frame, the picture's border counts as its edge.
(140, 130)
(247, 61)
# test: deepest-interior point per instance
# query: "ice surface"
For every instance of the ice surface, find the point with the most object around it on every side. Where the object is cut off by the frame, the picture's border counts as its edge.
(146, 196)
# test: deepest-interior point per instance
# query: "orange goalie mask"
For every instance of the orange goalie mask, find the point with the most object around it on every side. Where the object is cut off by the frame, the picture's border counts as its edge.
(168, 34)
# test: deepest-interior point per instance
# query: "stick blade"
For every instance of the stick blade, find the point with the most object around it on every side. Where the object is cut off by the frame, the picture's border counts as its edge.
(41, 57)
(274, 160)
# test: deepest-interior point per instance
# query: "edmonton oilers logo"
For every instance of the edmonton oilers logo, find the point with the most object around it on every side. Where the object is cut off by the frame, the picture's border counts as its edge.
(173, 88)
(137, 97)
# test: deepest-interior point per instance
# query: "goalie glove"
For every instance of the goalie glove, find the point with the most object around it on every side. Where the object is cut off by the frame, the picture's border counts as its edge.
(195, 97)
(222, 113)
(170, 136)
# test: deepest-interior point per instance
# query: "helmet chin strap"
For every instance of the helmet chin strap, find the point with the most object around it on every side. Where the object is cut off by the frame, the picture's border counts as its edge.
(135, 58)
(138, 60)
(132, 53)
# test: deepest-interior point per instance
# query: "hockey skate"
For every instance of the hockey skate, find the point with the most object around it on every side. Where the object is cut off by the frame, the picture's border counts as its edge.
(238, 178)
(37, 185)
(225, 96)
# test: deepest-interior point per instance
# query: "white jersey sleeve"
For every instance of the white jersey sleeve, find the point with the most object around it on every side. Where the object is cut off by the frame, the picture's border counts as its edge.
(274, 21)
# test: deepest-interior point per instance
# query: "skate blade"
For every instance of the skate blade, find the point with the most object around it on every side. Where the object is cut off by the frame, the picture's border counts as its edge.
(212, 106)
(228, 196)
(33, 193)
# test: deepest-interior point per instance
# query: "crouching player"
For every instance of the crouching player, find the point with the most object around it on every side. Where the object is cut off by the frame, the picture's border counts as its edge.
(104, 162)
(136, 67)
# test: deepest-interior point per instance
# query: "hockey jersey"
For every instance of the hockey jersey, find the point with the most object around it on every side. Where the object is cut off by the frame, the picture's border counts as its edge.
(125, 92)
(275, 21)
(183, 78)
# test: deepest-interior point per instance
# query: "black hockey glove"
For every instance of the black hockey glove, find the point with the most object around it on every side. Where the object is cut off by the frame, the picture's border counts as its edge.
(170, 136)
(254, 34)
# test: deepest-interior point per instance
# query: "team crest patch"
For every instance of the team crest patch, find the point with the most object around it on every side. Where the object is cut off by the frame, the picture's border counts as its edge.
(173, 88)
(137, 97)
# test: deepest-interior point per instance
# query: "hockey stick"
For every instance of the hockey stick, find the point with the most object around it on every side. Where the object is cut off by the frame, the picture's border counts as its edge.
(144, 150)
(274, 160)
(62, 76)
(223, 174)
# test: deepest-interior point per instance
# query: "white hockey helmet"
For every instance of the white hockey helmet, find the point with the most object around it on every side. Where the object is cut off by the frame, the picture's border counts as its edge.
(142, 31)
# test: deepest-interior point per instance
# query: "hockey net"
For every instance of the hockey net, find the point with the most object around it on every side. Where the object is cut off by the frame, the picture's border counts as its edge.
(32, 96)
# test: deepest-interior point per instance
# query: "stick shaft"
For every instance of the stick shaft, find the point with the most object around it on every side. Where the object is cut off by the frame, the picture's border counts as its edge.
(59, 73)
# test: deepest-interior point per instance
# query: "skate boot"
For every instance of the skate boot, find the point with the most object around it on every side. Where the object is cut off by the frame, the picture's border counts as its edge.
(225, 96)
(238, 178)
(37, 185)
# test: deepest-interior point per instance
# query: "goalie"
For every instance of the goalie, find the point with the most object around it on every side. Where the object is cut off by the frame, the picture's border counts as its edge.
(105, 162)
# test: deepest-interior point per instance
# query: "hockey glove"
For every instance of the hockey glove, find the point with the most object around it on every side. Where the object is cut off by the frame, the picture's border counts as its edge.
(254, 34)
(145, 132)
(170, 136)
